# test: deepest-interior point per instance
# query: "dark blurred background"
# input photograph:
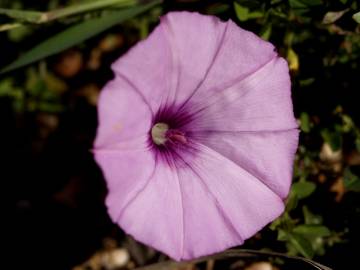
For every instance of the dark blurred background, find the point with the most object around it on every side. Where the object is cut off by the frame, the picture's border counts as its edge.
(53, 191)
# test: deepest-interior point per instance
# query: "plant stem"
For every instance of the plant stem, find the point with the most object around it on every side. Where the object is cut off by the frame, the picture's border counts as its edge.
(38, 17)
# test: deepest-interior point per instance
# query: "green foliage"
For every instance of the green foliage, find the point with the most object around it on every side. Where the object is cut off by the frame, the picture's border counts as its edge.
(307, 236)
(23, 15)
(301, 245)
(43, 17)
(356, 17)
(333, 16)
(333, 138)
(351, 181)
(305, 124)
(41, 92)
(312, 230)
(244, 13)
(303, 189)
(76, 34)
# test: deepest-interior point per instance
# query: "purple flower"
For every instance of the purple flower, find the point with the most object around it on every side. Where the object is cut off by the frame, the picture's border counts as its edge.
(197, 136)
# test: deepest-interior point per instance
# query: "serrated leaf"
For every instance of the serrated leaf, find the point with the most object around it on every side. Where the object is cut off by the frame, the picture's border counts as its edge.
(312, 230)
(356, 17)
(76, 34)
(303, 189)
(302, 245)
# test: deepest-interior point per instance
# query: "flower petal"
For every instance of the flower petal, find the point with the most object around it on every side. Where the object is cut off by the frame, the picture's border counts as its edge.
(176, 61)
(229, 94)
(268, 156)
(148, 67)
(206, 229)
(260, 102)
(194, 49)
(155, 215)
(118, 121)
(242, 53)
(126, 174)
(239, 54)
(243, 199)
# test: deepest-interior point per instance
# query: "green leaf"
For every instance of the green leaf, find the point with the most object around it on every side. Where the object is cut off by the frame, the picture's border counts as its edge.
(303, 189)
(351, 181)
(305, 122)
(301, 244)
(357, 144)
(252, 4)
(348, 124)
(306, 82)
(300, 7)
(41, 17)
(9, 26)
(76, 34)
(218, 8)
(23, 15)
(312, 230)
(266, 31)
(6, 86)
(333, 138)
(333, 16)
(356, 17)
(304, 4)
(276, 223)
(292, 201)
(282, 235)
(242, 13)
(310, 218)
(255, 14)
(18, 34)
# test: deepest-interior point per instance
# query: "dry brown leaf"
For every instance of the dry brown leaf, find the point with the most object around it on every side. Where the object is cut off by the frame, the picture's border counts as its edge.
(338, 188)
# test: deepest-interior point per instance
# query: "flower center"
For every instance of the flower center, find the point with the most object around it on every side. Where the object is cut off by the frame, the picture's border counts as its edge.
(161, 133)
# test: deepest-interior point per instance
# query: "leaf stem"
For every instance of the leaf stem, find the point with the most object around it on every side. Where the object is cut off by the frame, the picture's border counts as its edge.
(38, 17)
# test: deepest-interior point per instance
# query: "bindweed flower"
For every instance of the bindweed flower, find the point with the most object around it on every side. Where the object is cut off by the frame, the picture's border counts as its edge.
(196, 136)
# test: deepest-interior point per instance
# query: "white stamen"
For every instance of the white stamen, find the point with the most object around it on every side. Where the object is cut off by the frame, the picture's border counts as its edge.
(158, 133)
